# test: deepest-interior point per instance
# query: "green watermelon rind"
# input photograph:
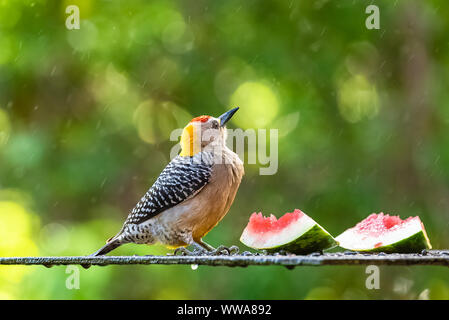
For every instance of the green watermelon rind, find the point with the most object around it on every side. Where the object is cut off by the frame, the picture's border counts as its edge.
(413, 244)
(313, 240)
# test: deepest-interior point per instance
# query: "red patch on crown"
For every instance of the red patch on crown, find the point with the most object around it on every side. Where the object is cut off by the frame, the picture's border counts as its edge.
(200, 119)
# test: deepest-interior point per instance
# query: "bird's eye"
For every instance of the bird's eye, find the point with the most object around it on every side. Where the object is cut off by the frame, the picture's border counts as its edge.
(215, 124)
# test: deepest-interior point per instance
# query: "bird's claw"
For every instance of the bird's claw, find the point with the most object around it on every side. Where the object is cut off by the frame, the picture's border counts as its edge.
(182, 251)
(222, 250)
(234, 250)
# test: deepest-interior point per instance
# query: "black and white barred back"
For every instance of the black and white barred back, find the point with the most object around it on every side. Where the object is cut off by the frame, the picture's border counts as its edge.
(180, 180)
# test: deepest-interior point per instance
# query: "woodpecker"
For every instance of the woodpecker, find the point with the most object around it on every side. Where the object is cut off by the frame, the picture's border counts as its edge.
(191, 195)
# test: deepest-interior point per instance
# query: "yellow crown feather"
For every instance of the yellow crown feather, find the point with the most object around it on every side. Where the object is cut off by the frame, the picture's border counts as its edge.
(189, 144)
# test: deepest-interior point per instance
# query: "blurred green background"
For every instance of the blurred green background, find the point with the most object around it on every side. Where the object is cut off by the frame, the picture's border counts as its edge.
(85, 119)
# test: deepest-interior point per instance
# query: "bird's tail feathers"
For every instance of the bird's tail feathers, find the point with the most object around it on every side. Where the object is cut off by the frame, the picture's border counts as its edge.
(112, 244)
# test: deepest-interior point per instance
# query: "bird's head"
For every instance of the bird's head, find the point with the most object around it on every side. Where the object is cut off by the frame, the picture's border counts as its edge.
(204, 132)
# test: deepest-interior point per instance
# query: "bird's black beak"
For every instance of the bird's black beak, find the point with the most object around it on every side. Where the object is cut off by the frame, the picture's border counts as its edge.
(225, 117)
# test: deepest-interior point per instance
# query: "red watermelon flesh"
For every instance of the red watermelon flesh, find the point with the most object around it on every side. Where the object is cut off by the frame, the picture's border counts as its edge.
(382, 232)
(260, 224)
(295, 232)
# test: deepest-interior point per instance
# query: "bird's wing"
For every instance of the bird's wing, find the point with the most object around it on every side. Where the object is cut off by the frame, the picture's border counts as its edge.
(181, 179)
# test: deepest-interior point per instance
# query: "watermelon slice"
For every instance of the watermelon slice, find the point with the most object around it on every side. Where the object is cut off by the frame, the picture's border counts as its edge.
(294, 232)
(382, 232)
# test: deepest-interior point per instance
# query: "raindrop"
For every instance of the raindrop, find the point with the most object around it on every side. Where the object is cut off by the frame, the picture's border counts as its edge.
(194, 266)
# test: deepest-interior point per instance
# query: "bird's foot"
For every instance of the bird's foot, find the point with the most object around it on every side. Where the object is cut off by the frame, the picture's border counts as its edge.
(222, 250)
(182, 251)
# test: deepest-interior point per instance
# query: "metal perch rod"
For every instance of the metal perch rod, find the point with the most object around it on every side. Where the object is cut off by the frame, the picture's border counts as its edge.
(430, 257)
